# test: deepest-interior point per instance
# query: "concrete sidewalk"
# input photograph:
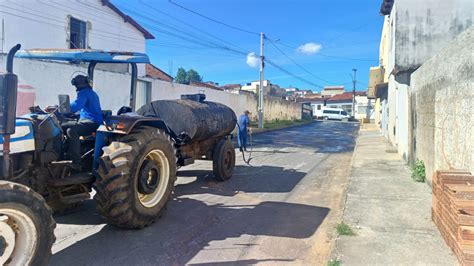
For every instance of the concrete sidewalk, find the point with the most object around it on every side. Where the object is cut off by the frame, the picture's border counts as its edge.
(388, 211)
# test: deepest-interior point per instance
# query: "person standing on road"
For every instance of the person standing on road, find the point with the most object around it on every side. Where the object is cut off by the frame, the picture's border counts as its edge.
(244, 128)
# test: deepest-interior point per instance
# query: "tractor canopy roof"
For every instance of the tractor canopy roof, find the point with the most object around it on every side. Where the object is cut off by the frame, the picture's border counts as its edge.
(84, 55)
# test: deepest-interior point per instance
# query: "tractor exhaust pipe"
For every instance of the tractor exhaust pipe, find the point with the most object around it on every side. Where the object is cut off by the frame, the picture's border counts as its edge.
(10, 56)
(10, 84)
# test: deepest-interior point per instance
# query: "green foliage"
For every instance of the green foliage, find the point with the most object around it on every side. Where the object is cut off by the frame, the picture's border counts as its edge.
(334, 262)
(193, 75)
(418, 171)
(344, 230)
(185, 77)
(181, 76)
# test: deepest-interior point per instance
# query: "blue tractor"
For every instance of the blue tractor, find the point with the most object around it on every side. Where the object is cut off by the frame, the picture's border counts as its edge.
(131, 160)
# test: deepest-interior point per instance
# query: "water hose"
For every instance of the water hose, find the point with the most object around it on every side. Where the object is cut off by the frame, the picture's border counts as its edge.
(242, 150)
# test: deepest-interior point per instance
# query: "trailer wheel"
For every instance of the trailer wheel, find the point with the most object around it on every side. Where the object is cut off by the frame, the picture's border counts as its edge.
(223, 160)
(26, 226)
(136, 178)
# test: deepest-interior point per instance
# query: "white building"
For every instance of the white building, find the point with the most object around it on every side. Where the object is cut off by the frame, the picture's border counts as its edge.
(330, 91)
(95, 24)
(269, 89)
(413, 32)
(91, 24)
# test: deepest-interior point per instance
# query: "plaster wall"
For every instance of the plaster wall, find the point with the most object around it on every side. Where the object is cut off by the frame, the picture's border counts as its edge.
(420, 29)
(442, 95)
(40, 82)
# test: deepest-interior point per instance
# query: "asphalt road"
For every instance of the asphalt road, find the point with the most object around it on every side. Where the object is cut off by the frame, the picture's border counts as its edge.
(282, 209)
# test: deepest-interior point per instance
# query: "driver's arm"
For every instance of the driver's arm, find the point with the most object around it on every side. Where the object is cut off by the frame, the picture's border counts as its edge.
(79, 103)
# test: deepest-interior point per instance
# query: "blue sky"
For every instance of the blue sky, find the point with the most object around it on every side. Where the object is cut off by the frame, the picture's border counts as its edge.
(337, 32)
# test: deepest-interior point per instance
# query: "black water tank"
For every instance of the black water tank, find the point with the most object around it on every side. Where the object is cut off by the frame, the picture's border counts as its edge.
(199, 120)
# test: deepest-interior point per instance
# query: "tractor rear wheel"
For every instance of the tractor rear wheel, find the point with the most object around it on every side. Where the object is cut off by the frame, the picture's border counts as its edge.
(136, 178)
(26, 226)
(223, 160)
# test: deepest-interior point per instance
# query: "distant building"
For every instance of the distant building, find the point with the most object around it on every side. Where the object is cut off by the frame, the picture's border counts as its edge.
(269, 89)
(316, 101)
(156, 73)
(208, 85)
(232, 88)
(330, 91)
(344, 101)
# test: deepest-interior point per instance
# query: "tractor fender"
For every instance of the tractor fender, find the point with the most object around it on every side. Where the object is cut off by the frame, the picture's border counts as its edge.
(124, 124)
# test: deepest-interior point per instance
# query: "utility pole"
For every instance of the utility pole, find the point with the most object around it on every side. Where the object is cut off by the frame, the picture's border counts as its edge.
(260, 89)
(353, 91)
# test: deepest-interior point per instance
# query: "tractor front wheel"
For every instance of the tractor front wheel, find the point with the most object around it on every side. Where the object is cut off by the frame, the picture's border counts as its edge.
(26, 226)
(136, 178)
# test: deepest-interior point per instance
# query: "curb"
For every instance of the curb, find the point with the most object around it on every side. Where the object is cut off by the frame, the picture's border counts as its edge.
(258, 130)
(334, 251)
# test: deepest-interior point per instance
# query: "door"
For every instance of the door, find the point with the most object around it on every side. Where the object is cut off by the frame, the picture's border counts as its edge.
(142, 94)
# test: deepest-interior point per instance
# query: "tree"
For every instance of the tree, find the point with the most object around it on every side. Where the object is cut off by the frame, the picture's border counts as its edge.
(181, 76)
(193, 75)
(185, 77)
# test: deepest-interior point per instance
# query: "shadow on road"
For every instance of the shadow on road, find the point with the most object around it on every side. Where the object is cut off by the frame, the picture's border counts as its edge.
(190, 225)
(185, 230)
(193, 223)
(264, 179)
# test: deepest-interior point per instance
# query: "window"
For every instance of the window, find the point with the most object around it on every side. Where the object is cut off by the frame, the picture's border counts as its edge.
(77, 34)
(142, 94)
(318, 107)
(344, 113)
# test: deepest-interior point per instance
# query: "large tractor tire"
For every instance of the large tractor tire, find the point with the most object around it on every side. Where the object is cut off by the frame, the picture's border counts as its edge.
(223, 160)
(136, 178)
(26, 226)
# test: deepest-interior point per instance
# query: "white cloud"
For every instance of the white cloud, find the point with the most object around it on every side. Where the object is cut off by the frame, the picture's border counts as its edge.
(252, 60)
(309, 48)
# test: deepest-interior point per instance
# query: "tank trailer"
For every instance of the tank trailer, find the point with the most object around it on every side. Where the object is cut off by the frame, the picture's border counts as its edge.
(130, 161)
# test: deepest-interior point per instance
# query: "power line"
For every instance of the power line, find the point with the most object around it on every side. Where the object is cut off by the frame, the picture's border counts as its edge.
(214, 20)
(187, 35)
(291, 74)
(190, 25)
(298, 65)
(330, 56)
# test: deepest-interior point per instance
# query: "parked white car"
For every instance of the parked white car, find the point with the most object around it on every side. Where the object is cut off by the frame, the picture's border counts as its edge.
(334, 113)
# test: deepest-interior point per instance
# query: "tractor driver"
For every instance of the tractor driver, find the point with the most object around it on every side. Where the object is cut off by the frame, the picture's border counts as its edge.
(90, 117)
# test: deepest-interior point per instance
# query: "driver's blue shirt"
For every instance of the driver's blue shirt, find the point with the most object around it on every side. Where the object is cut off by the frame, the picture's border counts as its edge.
(88, 104)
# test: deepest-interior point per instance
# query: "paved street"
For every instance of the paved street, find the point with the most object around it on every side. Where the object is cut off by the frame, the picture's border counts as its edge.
(282, 209)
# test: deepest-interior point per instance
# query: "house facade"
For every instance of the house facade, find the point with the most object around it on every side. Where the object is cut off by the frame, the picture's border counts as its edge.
(70, 25)
(413, 32)
(330, 91)
(269, 89)
(344, 101)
